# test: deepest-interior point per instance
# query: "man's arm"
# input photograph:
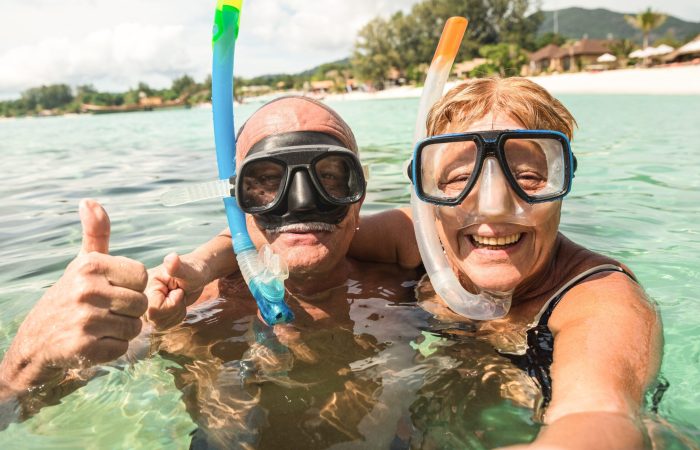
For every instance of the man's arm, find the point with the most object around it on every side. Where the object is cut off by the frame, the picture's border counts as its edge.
(87, 317)
(607, 352)
(387, 237)
(178, 282)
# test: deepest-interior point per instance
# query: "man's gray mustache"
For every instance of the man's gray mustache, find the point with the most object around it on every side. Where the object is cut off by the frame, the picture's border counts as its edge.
(305, 227)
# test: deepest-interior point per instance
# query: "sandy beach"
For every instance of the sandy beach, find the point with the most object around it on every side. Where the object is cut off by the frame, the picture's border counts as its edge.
(681, 80)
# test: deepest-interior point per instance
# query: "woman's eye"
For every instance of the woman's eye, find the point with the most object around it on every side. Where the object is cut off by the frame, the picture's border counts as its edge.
(459, 178)
(529, 180)
(456, 181)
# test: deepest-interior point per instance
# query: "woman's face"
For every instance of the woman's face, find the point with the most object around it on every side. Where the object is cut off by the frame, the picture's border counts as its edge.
(505, 241)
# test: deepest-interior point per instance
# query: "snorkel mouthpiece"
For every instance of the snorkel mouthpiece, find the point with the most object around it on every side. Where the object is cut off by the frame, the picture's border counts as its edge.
(264, 275)
(484, 305)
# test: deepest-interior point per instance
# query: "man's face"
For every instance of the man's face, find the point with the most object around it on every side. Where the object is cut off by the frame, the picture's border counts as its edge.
(311, 236)
(308, 247)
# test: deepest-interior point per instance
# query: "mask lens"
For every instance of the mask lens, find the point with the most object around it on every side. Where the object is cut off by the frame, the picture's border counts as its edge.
(261, 182)
(447, 169)
(338, 177)
(537, 165)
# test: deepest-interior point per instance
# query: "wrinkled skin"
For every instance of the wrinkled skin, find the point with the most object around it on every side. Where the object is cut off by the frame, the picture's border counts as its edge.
(499, 270)
(316, 259)
(87, 317)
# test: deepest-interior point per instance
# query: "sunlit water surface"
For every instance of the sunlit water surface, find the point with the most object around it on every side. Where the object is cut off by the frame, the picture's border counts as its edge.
(635, 198)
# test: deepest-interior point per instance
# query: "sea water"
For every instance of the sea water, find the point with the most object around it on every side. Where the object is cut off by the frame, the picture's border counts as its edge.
(635, 197)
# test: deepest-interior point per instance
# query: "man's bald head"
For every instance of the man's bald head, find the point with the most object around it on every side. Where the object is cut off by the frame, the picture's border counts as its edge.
(289, 114)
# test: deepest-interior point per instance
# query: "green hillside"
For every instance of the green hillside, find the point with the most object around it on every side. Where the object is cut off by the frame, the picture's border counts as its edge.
(600, 23)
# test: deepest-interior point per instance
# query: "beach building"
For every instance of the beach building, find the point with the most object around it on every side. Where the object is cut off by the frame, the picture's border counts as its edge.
(571, 57)
(687, 52)
(395, 77)
(150, 102)
(577, 56)
(545, 59)
(461, 70)
(322, 87)
(256, 90)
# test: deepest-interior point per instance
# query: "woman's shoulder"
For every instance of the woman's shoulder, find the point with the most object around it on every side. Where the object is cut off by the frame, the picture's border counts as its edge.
(576, 259)
(610, 292)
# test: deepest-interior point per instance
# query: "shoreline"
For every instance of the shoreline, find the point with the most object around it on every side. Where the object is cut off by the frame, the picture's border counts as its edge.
(675, 80)
(680, 80)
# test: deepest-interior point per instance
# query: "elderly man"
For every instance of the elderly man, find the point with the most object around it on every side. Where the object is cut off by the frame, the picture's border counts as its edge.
(308, 211)
(303, 187)
(303, 223)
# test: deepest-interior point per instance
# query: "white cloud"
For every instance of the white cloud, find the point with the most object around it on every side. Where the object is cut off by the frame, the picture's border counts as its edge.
(111, 58)
(113, 47)
(115, 44)
(293, 35)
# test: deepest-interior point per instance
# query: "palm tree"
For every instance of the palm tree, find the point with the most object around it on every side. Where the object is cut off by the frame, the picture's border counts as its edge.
(621, 48)
(646, 22)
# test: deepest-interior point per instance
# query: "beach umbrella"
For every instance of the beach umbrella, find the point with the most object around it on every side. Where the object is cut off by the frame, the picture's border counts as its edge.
(606, 57)
(638, 54)
(690, 47)
(662, 49)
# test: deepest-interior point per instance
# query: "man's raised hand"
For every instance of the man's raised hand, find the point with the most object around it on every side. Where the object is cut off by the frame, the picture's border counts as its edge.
(87, 317)
(172, 287)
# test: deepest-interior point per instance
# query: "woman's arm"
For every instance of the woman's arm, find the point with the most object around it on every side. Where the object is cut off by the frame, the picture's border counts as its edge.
(387, 237)
(607, 352)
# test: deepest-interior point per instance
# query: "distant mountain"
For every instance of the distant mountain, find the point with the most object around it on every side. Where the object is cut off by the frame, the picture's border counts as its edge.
(330, 65)
(600, 23)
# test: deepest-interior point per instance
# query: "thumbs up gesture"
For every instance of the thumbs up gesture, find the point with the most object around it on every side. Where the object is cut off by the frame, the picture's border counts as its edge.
(172, 287)
(87, 317)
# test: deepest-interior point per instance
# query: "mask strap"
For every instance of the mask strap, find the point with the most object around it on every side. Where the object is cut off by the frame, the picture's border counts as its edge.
(294, 139)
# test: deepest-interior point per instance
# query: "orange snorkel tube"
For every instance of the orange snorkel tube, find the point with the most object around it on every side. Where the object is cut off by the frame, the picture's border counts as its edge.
(484, 305)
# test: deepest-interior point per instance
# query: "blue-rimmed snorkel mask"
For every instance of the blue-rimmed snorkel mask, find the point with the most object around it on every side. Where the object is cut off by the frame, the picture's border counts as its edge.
(497, 176)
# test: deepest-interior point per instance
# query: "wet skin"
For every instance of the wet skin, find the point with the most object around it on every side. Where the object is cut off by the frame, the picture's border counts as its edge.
(506, 267)
(596, 373)
(236, 370)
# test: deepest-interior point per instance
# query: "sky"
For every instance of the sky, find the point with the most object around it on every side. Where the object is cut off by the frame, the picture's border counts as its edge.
(115, 44)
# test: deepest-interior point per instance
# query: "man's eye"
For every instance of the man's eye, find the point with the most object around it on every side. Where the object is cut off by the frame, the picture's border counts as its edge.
(269, 178)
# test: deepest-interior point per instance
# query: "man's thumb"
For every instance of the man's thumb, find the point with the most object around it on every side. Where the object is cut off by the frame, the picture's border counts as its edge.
(95, 222)
(172, 264)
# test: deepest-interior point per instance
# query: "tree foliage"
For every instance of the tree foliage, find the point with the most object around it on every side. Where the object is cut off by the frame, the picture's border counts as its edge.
(60, 98)
(646, 22)
(621, 48)
(549, 38)
(502, 59)
(407, 41)
(47, 97)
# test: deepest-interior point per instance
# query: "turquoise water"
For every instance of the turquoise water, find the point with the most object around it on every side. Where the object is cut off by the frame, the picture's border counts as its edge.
(635, 198)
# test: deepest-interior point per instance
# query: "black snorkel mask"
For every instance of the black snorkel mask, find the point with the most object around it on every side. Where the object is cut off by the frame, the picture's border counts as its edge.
(299, 177)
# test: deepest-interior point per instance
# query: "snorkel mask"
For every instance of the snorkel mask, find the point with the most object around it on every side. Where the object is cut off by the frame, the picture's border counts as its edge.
(493, 176)
(299, 177)
(482, 177)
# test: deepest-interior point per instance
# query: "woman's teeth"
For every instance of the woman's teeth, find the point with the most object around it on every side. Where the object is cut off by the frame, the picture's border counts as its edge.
(495, 242)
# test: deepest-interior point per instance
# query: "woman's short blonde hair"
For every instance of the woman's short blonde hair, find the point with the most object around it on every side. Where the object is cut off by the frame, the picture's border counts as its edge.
(521, 98)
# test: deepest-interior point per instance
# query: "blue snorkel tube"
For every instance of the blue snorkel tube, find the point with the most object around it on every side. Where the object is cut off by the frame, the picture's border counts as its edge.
(264, 273)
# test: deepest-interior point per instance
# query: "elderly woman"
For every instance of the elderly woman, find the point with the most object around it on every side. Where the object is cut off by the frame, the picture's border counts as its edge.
(593, 338)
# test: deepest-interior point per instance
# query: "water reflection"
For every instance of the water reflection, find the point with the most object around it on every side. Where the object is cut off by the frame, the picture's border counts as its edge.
(363, 365)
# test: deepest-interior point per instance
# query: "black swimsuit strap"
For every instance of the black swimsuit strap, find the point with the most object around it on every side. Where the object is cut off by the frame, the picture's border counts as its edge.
(545, 313)
(539, 354)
